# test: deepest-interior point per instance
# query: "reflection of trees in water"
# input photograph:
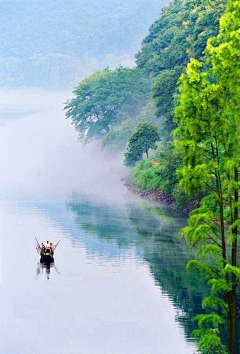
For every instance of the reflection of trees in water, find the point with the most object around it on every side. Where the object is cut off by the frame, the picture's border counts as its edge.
(154, 232)
(103, 222)
(168, 255)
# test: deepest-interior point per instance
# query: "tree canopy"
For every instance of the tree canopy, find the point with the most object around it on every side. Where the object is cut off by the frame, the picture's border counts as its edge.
(143, 139)
(105, 99)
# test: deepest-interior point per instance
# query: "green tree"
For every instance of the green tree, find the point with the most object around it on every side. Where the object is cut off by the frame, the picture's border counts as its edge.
(105, 99)
(211, 344)
(143, 139)
(208, 136)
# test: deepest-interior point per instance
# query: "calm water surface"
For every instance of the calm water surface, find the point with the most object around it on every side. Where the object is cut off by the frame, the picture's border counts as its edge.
(118, 285)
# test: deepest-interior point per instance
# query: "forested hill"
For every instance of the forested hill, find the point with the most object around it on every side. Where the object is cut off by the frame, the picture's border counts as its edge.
(179, 34)
(58, 42)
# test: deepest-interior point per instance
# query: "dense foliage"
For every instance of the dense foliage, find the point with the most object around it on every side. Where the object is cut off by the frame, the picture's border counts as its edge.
(179, 34)
(105, 99)
(208, 137)
(162, 91)
(160, 172)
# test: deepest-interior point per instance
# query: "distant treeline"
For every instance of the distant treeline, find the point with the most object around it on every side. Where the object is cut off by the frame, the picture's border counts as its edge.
(51, 43)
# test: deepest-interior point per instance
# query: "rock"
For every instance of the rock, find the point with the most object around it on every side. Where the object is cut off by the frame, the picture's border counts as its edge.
(158, 196)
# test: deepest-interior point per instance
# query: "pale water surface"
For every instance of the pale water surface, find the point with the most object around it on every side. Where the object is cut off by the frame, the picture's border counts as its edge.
(118, 285)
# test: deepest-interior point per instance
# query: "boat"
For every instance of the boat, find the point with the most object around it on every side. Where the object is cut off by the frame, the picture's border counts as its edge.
(46, 251)
(46, 255)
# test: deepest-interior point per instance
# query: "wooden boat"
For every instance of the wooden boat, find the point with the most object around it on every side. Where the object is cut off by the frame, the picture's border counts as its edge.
(46, 252)
(46, 256)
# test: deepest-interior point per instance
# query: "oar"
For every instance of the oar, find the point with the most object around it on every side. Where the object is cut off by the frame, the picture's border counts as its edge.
(38, 244)
(58, 243)
(57, 270)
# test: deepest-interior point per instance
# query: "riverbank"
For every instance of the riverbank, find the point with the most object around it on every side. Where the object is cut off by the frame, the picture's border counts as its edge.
(156, 195)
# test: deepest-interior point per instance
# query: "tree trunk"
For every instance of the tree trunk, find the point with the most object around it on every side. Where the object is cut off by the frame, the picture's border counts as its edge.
(233, 313)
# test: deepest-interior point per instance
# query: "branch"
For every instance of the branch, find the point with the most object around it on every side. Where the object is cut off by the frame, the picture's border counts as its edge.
(214, 241)
(212, 189)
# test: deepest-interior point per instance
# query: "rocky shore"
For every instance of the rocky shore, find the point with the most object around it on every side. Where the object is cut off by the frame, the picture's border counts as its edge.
(158, 196)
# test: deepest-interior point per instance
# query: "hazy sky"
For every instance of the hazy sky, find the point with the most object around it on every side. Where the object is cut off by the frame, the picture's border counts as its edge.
(57, 42)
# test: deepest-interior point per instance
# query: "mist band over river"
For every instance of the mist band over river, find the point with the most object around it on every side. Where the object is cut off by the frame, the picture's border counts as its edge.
(118, 284)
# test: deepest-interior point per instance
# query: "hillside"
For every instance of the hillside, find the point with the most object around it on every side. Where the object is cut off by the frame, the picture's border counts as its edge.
(58, 42)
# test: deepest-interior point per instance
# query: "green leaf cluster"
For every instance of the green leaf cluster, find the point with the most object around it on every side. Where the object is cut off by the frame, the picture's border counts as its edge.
(209, 342)
(105, 99)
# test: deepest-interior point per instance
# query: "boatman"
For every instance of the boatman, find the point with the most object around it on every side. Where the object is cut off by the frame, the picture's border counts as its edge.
(48, 246)
(52, 248)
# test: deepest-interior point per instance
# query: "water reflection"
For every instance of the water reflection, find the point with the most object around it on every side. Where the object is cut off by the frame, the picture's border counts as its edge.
(45, 267)
(108, 290)
(153, 232)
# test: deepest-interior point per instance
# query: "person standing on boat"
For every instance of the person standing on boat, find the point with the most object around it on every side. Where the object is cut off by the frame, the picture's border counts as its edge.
(47, 247)
(52, 249)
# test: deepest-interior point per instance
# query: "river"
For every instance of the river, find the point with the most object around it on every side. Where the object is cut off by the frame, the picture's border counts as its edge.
(118, 285)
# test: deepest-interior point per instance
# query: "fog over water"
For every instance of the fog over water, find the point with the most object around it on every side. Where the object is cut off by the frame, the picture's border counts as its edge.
(101, 295)
(40, 153)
